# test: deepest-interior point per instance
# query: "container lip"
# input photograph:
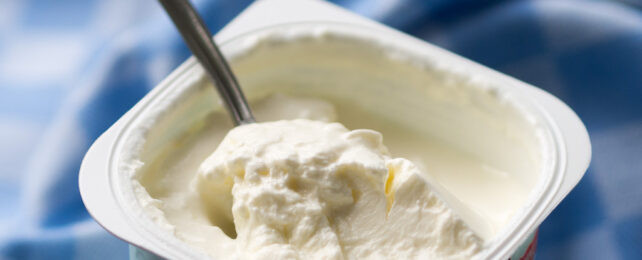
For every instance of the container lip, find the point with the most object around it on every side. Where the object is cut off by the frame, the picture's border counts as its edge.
(541, 197)
(122, 188)
(547, 186)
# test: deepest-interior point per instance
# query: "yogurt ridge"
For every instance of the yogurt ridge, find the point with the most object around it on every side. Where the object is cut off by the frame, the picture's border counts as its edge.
(305, 189)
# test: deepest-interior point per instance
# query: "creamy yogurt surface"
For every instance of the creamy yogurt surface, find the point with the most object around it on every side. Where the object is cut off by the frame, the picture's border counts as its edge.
(477, 185)
(303, 189)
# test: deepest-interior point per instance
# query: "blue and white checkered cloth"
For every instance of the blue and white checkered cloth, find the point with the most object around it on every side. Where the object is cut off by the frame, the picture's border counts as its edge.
(70, 68)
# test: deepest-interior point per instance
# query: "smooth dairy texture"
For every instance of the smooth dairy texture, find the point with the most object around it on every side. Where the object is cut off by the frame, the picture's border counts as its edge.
(311, 190)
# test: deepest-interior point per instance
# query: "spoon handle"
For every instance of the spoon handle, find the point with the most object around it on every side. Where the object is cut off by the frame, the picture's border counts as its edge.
(200, 42)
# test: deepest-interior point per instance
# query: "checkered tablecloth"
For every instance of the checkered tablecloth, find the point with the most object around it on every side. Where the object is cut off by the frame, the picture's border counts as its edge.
(70, 68)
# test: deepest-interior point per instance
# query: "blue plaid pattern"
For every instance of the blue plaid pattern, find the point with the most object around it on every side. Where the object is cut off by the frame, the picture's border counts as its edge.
(69, 69)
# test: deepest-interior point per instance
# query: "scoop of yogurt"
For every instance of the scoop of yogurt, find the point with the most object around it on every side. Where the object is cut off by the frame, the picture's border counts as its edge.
(304, 189)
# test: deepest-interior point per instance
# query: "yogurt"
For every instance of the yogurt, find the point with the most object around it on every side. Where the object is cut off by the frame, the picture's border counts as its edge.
(432, 117)
(302, 189)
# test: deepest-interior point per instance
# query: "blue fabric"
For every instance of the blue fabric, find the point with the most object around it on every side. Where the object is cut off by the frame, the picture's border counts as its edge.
(69, 69)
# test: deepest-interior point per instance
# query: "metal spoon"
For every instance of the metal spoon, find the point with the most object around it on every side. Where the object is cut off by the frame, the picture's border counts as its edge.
(200, 42)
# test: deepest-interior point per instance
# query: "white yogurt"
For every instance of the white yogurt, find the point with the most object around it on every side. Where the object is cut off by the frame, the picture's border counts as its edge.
(483, 153)
(302, 189)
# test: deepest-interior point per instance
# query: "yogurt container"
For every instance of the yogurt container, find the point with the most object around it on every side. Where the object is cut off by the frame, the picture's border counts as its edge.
(532, 135)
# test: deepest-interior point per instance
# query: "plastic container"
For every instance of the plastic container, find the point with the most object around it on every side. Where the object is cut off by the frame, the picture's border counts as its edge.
(109, 196)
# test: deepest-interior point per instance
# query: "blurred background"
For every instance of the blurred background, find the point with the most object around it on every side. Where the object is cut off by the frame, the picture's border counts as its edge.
(71, 68)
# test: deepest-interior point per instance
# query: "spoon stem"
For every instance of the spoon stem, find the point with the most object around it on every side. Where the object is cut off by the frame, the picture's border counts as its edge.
(200, 42)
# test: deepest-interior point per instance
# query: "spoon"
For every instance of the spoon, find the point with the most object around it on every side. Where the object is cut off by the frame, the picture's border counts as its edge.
(200, 42)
